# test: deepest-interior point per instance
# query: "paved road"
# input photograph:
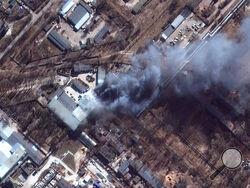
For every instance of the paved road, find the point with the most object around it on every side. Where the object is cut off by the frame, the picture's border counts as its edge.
(34, 19)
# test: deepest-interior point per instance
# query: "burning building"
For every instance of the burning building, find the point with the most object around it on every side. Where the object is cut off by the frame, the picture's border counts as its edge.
(75, 101)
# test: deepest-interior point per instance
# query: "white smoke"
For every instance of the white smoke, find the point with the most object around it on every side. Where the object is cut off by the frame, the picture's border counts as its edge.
(220, 62)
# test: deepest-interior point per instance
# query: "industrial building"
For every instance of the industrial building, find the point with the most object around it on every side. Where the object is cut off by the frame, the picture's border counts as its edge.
(138, 6)
(100, 76)
(59, 41)
(180, 18)
(81, 68)
(74, 102)
(9, 157)
(175, 24)
(66, 7)
(79, 16)
(167, 32)
(3, 29)
(124, 168)
(10, 154)
(72, 113)
(100, 35)
(63, 106)
(106, 155)
(13, 149)
(80, 86)
(148, 177)
(86, 140)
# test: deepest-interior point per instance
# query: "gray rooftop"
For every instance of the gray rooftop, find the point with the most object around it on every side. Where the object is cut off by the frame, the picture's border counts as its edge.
(67, 101)
(63, 184)
(68, 110)
(180, 18)
(77, 14)
(79, 86)
(64, 106)
(99, 36)
(9, 156)
(149, 178)
(167, 32)
(85, 6)
(138, 6)
(100, 76)
(33, 153)
(123, 169)
(58, 40)
(82, 68)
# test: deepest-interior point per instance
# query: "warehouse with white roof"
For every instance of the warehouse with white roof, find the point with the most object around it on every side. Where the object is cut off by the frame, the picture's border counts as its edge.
(9, 154)
(66, 7)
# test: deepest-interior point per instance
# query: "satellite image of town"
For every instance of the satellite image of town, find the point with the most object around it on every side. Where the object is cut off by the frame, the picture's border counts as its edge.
(124, 93)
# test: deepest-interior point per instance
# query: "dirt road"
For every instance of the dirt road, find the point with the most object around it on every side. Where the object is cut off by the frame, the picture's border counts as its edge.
(35, 18)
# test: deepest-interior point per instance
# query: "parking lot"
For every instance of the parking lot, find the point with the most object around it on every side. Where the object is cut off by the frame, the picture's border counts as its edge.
(186, 32)
(76, 96)
(68, 33)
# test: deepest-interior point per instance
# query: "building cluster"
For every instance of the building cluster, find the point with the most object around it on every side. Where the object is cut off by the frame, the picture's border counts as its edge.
(134, 170)
(76, 16)
(110, 160)
(175, 24)
(6, 7)
(121, 161)
(183, 30)
(76, 22)
(52, 178)
(79, 16)
(18, 157)
(75, 101)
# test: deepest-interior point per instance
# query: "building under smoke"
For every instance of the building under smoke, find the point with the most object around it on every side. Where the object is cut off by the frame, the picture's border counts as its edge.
(72, 113)
(218, 63)
(76, 100)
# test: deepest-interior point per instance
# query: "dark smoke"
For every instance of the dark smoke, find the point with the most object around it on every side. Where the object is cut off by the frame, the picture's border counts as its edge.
(222, 62)
(130, 91)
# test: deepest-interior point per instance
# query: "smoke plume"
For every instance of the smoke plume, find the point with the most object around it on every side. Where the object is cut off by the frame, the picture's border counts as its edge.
(221, 61)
